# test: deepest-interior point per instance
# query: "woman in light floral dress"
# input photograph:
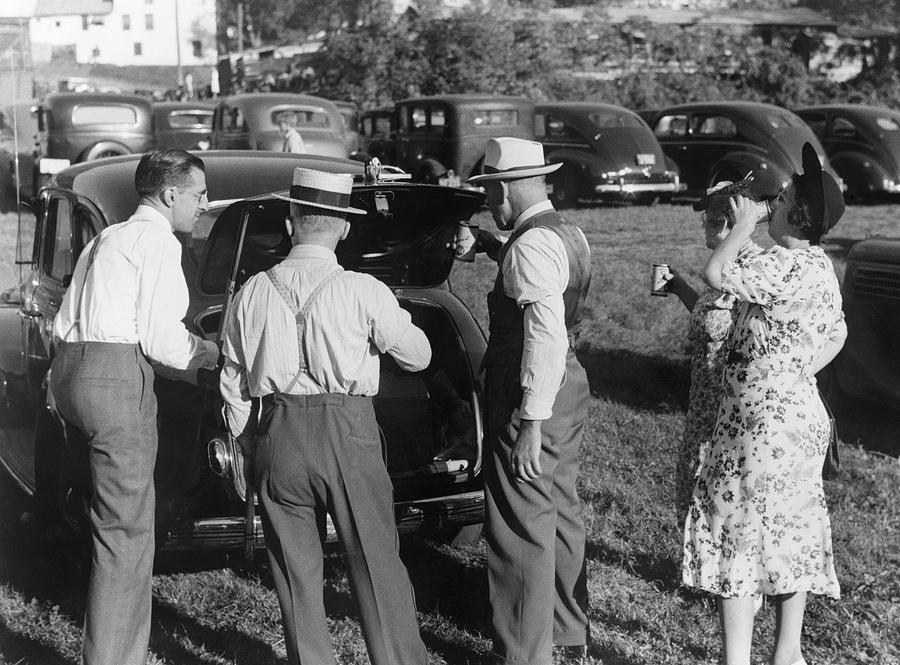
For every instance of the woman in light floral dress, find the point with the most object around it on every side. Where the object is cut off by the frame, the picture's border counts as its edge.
(712, 317)
(758, 522)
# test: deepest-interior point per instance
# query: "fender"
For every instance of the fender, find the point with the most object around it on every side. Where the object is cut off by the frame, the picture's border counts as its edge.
(858, 168)
(579, 160)
(103, 149)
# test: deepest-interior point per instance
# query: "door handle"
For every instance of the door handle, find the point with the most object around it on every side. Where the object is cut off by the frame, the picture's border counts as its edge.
(23, 314)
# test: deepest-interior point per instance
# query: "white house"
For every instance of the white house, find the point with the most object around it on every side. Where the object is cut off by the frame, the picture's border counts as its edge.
(122, 32)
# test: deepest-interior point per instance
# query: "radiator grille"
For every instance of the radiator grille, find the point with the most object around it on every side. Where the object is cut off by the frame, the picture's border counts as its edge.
(877, 280)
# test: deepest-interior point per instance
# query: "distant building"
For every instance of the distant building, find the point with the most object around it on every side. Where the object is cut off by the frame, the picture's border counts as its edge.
(121, 32)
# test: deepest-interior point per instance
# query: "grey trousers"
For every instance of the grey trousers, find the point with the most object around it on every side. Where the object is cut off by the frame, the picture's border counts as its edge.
(318, 454)
(106, 391)
(535, 537)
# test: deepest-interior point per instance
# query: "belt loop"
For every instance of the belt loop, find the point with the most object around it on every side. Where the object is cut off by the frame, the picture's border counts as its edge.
(83, 349)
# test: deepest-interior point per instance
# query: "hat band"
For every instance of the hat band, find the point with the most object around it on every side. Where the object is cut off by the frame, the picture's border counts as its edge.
(494, 169)
(320, 197)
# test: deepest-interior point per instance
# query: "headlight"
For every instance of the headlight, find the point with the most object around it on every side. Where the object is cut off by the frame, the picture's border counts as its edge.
(219, 456)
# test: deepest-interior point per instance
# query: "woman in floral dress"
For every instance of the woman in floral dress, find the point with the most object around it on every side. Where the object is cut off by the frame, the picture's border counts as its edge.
(712, 317)
(758, 522)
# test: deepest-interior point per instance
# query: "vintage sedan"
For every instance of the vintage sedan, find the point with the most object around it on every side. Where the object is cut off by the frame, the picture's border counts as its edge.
(376, 134)
(607, 152)
(714, 141)
(249, 121)
(440, 139)
(863, 145)
(186, 125)
(868, 367)
(18, 135)
(430, 421)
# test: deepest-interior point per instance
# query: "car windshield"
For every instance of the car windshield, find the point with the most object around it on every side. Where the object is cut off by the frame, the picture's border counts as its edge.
(495, 118)
(190, 119)
(612, 118)
(103, 114)
(301, 116)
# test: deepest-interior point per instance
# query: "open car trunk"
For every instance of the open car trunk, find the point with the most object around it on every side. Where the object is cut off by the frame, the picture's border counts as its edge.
(430, 421)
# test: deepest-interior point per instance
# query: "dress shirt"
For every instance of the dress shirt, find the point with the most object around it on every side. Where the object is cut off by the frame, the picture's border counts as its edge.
(293, 142)
(353, 319)
(134, 293)
(536, 274)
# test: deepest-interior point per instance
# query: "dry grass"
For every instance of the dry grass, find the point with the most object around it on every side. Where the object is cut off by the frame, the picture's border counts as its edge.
(634, 350)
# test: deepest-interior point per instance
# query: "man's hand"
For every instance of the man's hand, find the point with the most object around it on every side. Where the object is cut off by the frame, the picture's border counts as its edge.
(487, 242)
(524, 460)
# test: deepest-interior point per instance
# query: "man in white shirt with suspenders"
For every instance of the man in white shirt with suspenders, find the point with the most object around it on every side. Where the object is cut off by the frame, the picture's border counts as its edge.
(123, 310)
(303, 340)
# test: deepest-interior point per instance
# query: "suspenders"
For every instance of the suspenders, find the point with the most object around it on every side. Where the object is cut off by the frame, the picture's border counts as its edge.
(300, 316)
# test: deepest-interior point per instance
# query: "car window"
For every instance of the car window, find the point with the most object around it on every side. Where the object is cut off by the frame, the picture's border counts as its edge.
(714, 125)
(84, 227)
(203, 226)
(495, 118)
(233, 120)
(382, 125)
(104, 114)
(350, 118)
(817, 122)
(671, 126)
(613, 118)
(887, 124)
(842, 127)
(301, 116)
(190, 119)
(438, 120)
(557, 129)
(419, 119)
(58, 252)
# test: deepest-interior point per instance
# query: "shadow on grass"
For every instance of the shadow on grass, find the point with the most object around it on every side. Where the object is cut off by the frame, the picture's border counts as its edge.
(644, 381)
(14, 648)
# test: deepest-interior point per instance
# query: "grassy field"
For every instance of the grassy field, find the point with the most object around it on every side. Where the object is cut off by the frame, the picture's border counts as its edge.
(634, 348)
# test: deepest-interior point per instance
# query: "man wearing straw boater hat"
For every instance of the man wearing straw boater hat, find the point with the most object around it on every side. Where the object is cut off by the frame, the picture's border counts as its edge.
(537, 397)
(302, 341)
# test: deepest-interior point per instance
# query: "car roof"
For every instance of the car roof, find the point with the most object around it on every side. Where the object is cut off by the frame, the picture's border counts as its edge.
(468, 99)
(230, 174)
(858, 109)
(186, 106)
(275, 98)
(734, 107)
(61, 100)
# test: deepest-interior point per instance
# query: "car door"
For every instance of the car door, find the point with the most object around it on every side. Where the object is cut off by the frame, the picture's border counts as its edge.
(711, 137)
(672, 132)
(66, 225)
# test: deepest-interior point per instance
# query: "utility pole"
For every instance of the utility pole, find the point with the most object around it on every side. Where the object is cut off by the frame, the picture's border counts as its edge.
(178, 46)
(240, 27)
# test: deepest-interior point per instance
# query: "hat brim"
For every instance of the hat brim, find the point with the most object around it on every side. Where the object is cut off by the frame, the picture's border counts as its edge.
(348, 209)
(516, 174)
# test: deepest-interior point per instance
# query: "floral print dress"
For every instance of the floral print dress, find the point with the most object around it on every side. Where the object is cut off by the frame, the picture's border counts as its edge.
(709, 328)
(758, 522)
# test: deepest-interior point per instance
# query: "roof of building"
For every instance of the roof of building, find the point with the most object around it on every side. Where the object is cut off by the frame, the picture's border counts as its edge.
(40, 8)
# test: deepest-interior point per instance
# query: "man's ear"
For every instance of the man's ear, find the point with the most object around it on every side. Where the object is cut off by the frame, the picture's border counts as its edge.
(167, 196)
(289, 226)
(346, 230)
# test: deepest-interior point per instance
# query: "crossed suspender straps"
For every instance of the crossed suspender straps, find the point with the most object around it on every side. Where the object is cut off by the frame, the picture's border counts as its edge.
(300, 316)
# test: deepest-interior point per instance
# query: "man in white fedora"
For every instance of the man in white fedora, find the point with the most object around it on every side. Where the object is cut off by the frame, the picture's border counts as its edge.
(537, 399)
(302, 341)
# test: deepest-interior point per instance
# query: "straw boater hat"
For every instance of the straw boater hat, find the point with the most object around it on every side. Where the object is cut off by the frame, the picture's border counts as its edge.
(318, 189)
(820, 191)
(506, 158)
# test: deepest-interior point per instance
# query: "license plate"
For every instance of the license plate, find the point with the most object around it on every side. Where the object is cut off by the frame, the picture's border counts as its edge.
(449, 181)
(645, 159)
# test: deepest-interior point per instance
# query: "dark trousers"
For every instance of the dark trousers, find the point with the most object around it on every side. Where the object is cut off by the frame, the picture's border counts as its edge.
(535, 538)
(106, 391)
(318, 454)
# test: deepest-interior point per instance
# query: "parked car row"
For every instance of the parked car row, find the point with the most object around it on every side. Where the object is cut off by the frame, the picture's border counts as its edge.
(608, 152)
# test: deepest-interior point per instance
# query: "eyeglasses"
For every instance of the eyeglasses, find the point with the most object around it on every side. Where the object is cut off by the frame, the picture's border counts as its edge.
(202, 199)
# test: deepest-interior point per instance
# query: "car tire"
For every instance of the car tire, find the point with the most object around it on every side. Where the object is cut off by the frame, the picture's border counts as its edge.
(565, 189)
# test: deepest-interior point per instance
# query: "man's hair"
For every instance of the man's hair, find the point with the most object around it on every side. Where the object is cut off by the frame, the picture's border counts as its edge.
(531, 184)
(310, 219)
(166, 167)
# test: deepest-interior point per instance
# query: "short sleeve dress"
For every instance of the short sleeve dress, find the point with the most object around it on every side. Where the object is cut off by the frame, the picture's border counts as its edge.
(758, 521)
(709, 328)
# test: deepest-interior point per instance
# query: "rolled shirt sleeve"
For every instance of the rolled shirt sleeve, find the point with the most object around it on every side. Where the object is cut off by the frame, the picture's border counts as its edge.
(233, 380)
(162, 303)
(535, 274)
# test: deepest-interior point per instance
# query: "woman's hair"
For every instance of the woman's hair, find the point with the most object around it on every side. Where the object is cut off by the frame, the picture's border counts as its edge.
(800, 218)
(717, 204)
(167, 167)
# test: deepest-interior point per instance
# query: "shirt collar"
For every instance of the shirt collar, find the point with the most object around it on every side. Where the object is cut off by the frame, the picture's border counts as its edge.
(151, 214)
(533, 211)
(305, 252)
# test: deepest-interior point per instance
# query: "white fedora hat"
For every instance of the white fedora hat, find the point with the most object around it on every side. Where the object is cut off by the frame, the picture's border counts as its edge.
(319, 189)
(507, 158)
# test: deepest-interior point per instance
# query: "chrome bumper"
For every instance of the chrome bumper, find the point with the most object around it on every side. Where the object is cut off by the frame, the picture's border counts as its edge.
(227, 533)
(638, 188)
